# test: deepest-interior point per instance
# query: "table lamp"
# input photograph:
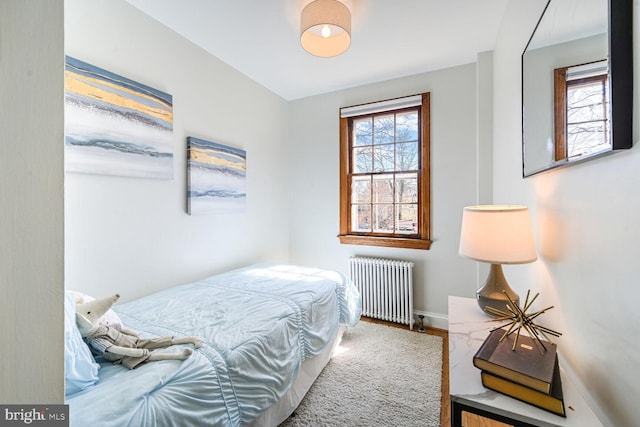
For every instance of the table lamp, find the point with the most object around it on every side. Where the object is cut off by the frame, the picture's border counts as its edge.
(497, 234)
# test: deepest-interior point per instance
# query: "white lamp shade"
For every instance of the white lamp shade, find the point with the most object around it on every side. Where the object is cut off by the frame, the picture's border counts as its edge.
(328, 16)
(497, 234)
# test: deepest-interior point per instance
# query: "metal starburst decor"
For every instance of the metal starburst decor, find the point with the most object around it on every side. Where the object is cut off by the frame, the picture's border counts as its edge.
(519, 319)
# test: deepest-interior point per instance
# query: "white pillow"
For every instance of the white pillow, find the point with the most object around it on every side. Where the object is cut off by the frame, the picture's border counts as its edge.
(80, 369)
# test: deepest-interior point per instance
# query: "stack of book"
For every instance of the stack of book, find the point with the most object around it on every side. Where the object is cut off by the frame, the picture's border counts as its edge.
(524, 373)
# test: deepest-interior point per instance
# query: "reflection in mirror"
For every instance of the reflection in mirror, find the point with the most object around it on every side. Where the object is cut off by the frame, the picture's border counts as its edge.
(570, 102)
(581, 110)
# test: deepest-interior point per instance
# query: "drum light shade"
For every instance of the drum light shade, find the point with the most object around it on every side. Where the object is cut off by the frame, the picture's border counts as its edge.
(498, 234)
(325, 28)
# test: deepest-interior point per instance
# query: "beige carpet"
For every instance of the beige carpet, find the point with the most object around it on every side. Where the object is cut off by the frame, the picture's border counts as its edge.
(380, 376)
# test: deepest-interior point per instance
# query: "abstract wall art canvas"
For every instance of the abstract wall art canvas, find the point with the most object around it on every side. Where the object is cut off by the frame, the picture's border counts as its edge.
(216, 178)
(116, 126)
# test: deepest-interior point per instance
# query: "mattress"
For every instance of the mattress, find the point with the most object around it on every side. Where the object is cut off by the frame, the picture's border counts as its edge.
(258, 324)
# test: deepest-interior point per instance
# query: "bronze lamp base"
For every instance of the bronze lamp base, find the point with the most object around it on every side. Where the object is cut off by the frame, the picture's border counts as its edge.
(492, 293)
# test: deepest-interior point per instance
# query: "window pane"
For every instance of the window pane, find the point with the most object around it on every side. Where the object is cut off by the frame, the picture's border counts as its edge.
(586, 138)
(362, 160)
(383, 158)
(586, 103)
(383, 189)
(407, 188)
(383, 218)
(362, 131)
(361, 218)
(407, 218)
(407, 156)
(361, 189)
(383, 129)
(407, 126)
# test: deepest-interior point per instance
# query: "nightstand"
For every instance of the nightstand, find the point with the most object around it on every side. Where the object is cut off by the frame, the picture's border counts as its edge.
(468, 328)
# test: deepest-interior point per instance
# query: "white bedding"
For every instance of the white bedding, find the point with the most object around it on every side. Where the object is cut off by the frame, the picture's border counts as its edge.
(258, 324)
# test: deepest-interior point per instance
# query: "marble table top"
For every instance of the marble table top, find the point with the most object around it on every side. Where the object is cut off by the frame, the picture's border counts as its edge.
(468, 328)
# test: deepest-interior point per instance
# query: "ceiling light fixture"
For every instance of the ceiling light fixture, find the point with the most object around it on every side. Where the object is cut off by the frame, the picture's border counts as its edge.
(325, 28)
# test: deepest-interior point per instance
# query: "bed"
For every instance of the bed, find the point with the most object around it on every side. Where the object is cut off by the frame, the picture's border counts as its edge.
(268, 330)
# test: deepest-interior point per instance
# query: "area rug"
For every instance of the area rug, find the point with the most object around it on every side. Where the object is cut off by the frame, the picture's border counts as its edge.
(379, 376)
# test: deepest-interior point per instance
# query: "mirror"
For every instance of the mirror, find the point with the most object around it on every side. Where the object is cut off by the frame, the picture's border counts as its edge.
(577, 84)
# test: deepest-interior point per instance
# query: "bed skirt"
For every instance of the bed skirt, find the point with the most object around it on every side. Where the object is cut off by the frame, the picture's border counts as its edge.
(309, 372)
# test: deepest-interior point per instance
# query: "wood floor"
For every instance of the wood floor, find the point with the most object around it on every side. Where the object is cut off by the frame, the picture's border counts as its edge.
(445, 406)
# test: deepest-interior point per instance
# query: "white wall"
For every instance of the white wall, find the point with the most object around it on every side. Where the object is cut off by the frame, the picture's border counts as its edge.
(31, 202)
(314, 174)
(587, 228)
(132, 235)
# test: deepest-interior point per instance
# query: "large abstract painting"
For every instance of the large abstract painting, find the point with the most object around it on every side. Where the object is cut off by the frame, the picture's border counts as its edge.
(116, 126)
(216, 178)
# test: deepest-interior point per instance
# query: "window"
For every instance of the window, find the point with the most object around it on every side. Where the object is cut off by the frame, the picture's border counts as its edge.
(581, 111)
(384, 173)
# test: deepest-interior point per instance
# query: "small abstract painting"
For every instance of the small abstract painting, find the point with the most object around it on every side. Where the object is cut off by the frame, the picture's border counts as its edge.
(116, 126)
(216, 178)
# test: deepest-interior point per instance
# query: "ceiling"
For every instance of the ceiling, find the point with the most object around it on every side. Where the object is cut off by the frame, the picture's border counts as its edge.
(389, 38)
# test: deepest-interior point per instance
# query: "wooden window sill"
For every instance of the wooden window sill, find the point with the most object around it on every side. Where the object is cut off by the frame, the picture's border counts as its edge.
(391, 242)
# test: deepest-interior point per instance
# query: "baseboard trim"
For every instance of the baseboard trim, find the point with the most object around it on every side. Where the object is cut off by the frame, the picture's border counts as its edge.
(434, 320)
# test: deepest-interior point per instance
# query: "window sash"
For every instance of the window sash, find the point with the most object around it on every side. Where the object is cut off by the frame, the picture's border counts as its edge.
(403, 234)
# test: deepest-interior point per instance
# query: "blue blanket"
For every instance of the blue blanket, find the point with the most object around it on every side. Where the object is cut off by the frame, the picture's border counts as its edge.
(258, 325)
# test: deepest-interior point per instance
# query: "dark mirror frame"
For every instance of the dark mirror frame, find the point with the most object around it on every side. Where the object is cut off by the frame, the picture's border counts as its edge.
(620, 45)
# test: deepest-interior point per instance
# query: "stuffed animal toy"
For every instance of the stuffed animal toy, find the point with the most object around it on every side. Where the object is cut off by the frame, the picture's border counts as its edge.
(122, 345)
